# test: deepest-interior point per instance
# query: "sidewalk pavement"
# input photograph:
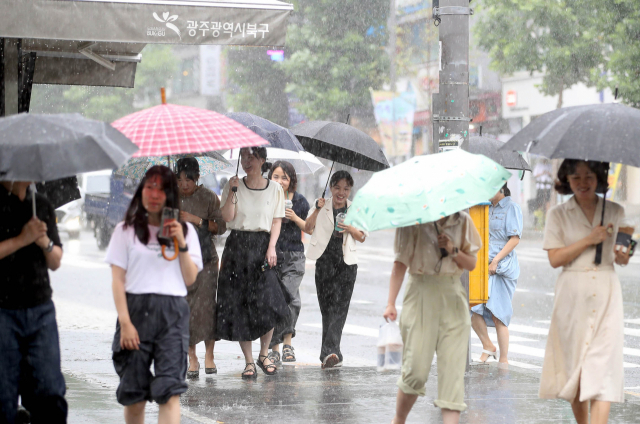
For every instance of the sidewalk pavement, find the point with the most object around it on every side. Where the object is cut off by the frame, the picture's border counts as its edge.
(306, 394)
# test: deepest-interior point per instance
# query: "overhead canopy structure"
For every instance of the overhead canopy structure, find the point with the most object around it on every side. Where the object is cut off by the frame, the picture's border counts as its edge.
(99, 42)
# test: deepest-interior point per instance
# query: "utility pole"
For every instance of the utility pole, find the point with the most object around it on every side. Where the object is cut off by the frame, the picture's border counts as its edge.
(450, 106)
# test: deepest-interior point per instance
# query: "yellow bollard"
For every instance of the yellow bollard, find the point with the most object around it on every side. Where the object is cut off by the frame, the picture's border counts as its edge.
(479, 277)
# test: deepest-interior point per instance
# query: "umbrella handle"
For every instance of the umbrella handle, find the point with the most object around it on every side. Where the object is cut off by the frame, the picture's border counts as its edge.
(443, 251)
(235, 189)
(175, 246)
(328, 179)
(598, 259)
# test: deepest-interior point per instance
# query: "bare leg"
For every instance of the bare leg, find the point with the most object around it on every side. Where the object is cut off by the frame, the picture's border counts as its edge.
(265, 341)
(600, 411)
(580, 409)
(404, 403)
(287, 339)
(169, 412)
(276, 348)
(503, 339)
(450, 417)
(193, 359)
(134, 414)
(208, 356)
(248, 355)
(480, 327)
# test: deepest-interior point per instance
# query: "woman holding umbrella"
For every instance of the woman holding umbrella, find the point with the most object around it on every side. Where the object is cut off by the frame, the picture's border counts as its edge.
(333, 247)
(149, 293)
(201, 207)
(505, 229)
(292, 269)
(250, 300)
(435, 317)
(583, 361)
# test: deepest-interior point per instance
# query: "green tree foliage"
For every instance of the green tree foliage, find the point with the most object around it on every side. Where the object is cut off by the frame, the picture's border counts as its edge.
(556, 37)
(258, 84)
(108, 103)
(619, 22)
(334, 54)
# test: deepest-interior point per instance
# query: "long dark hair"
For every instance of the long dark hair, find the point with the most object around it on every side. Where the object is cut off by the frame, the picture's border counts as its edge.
(288, 169)
(569, 166)
(505, 190)
(137, 216)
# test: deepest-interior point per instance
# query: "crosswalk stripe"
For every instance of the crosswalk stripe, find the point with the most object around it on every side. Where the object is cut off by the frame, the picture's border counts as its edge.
(494, 338)
(352, 329)
(518, 328)
(476, 358)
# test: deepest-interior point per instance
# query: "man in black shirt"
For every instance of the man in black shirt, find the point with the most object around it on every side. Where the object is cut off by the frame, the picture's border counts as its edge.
(29, 345)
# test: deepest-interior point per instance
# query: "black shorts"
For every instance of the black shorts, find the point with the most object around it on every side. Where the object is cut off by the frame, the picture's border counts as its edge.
(162, 323)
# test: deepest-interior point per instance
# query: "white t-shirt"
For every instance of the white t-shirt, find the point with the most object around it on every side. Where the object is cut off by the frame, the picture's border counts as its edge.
(256, 209)
(147, 271)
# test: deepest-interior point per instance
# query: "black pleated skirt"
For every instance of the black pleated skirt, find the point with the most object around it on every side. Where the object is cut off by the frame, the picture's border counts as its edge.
(250, 301)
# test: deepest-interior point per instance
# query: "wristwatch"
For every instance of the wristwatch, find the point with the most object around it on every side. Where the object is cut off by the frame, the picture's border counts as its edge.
(49, 247)
(183, 249)
(455, 252)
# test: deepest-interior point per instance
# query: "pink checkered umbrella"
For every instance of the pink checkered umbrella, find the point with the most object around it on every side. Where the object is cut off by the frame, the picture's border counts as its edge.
(167, 130)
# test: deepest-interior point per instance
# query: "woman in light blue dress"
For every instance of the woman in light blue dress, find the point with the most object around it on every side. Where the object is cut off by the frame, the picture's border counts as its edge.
(505, 230)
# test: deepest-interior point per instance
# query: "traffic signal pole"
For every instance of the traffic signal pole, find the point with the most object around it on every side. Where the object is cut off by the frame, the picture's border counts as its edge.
(450, 106)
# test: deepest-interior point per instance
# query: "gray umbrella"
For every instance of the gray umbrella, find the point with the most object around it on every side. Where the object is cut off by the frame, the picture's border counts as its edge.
(489, 147)
(341, 143)
(602, 132)
(49, 147)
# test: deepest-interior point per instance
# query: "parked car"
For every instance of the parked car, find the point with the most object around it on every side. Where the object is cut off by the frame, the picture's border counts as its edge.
(71, 217)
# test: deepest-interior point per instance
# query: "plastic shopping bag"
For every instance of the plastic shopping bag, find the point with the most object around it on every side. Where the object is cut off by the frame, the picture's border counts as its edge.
(389, 347)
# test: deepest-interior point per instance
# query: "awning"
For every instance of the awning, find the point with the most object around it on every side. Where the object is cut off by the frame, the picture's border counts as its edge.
(234, 22)
(98, 42)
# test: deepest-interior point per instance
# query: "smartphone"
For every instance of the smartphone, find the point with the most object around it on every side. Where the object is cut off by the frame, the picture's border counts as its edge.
(168, 215)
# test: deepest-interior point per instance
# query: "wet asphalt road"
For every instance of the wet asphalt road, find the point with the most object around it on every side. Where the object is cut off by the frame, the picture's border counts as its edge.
(303, 393)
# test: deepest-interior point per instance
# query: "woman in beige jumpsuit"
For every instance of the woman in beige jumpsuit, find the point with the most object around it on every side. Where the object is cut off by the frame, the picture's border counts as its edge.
(583, 360)
(435, 310)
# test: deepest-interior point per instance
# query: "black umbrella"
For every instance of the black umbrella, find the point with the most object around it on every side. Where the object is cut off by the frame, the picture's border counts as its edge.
(341, 143)
(601, 132)
(489, 147)
(277, 136)
(60, 192)
(50, 147)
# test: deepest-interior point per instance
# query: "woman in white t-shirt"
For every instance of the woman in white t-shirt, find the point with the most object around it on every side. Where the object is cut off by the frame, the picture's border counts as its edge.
(250, 299)
(149, 292)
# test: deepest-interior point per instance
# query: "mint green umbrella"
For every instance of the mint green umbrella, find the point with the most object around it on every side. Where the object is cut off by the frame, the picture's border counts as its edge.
(425, 189)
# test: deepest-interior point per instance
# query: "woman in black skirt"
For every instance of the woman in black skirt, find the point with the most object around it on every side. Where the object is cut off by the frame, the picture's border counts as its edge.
(333, 247)
(250, 300)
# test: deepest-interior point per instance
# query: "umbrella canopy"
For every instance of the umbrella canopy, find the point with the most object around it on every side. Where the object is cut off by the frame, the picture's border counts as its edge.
(489, 147)
(425, 189)
(341, 143)
(303, 162)
(49, 147)
(277, 136)
(601, 132)
(136, 168)
(60, 192)
(167, 130)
